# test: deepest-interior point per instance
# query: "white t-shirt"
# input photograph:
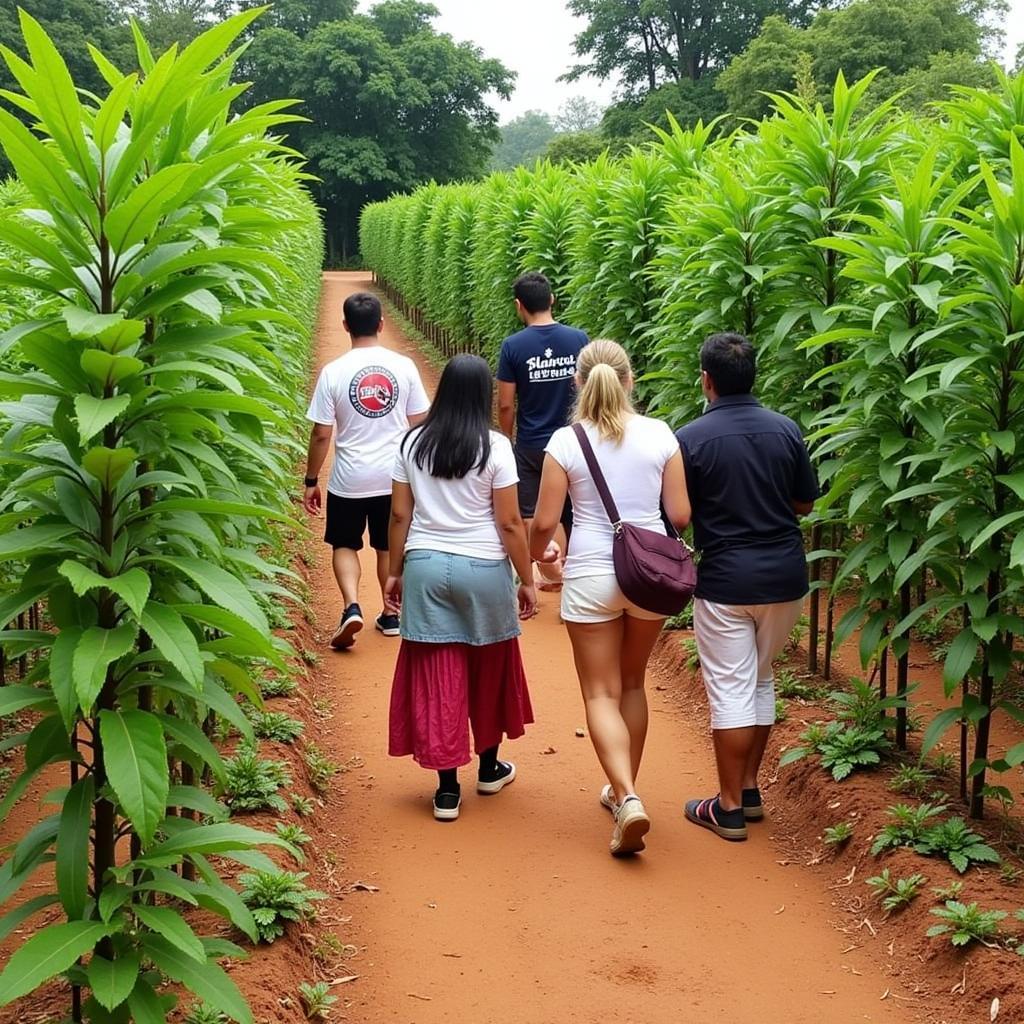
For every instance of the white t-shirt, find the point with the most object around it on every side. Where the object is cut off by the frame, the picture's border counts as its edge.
(368, 396)
(633, 470)
(457, 516)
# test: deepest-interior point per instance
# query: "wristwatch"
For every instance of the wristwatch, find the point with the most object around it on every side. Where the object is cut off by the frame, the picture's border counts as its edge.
(311, 481)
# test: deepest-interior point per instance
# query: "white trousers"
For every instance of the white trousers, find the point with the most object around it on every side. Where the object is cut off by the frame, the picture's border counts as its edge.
(737, 644)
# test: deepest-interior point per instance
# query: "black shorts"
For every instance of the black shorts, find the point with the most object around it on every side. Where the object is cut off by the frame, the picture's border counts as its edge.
(347, 519)
(530, 464)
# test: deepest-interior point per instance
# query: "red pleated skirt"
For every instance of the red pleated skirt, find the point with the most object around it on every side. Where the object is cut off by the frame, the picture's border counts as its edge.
(439, 690)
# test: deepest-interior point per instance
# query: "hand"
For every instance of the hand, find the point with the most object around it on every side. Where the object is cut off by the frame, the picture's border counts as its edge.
(312, 500)
(393, 595)
(527, 601)
(552, 553)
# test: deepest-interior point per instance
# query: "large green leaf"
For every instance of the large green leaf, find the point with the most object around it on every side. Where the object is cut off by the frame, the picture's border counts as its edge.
(112, 981)
(97, 649)
(189, 735)
(131, 586)
(18, 698)
(136, 760)
(94, 414)
(207, 980)
(207, 839)
(30, 539)
(16, 917)
(220, 586)
(62, 680)
(73, 861)
(959, 659)
(46, 954)
(174, 640)
(173, 927)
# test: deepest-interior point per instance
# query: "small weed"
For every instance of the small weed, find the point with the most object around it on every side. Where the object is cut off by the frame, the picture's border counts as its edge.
(842, 748)
(909, 826)
(320, 767)
(951, 891)
(860, 706)
(275, 898)
(311, 658)
(838, 835)
(966, 923)
(781, 710)
(316, 999)
(684, 620)
(895, 893)
(275, 725)
(329, 949)
(302, 805)
(278, 686)
(911, 778)
(796, 634)
(942, 763)
(294, 834)
(929, 627)
(252, 781)
(323, 708)
(955, 841)
(692, 657)
(203, 1013)
(6, 774)
(1009, 874)
(789, 685)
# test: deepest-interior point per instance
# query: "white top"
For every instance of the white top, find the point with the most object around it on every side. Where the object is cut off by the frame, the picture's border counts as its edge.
(457, 516)
(368, 396)
(633, 470)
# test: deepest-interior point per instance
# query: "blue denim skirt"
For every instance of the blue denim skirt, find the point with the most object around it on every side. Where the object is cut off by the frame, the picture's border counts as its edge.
(457, 599)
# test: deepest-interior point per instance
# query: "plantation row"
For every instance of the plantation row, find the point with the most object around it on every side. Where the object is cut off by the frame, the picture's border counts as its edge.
(876, 261)
(161, 259)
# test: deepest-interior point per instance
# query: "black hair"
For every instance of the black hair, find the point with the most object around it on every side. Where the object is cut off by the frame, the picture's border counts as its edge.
(533, 290)
(362, 314)
(729, 360)
(456, 435)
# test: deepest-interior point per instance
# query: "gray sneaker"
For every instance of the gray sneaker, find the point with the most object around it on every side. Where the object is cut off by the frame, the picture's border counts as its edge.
(631, 825)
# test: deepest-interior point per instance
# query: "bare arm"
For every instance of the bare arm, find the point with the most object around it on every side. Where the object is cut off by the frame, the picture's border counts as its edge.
(416, 419)
(402, 504)
(554, 487)
(319, 446)
(674, 495)
(506, 407)
(512, 530)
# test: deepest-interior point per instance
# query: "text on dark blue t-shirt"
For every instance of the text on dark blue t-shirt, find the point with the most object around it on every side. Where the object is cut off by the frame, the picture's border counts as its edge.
(541, 362)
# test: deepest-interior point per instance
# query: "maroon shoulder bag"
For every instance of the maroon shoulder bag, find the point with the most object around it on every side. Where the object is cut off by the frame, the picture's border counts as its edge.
(654, 571)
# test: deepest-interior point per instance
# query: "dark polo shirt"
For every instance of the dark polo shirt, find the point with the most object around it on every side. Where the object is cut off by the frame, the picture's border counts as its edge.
(745, 466)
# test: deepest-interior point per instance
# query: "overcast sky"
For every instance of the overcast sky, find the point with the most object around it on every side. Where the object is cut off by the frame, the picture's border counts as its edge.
(534, 38)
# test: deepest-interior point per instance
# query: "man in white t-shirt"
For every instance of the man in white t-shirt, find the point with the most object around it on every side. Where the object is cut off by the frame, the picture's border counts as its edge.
(368, 399)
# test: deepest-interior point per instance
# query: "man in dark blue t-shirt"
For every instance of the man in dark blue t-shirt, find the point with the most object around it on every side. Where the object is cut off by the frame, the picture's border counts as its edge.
(749, 478)
(536, 388)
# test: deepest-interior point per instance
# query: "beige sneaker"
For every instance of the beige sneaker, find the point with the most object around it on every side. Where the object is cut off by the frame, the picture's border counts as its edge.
(608, 799)
(631, 825)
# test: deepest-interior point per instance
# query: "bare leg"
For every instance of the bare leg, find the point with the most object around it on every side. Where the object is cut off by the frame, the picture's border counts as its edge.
(761, 734)
(597, 648)
(639, 638)
(383, 563)
(733, 751)
(347, 572)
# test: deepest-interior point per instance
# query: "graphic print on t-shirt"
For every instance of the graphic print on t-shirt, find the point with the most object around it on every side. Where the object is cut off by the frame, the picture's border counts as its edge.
(548, 367)
(373, 392)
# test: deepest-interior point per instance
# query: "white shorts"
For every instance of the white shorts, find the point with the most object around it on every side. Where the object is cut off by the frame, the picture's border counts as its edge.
(737, 644)
(599, 599)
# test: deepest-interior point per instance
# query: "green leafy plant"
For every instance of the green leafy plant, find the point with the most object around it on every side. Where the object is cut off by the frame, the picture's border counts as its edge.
(789, 685)
(276, 725)
(966, 923)
(909, 826)
(320, 767)
(913, 779)
(148, 376)
(691, 656)
(684, 620)
(316, 999)
(203, 1013)
(781, 710)
(1010, 874)
(862, 707)
(277, 686)
(895, 893)
(251, 781)
(275, 898)
(842, 748)
(838, 835)
(294, 834)
(955, 841)
(302, 805)
(950, 891)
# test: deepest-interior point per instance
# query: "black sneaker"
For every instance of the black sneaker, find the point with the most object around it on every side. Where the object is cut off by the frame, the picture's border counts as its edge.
(711, 815)
(752, 808)
(389, 625)
(504, 773)
(350, 624)
(446, 805)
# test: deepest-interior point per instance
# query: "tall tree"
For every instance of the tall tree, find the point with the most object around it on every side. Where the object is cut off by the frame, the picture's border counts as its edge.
(169, 21)
(578, 114)
(390, 102)
(523, 141)
(649, 42)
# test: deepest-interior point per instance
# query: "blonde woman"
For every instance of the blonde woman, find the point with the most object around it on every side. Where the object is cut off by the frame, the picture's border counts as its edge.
(612, 638)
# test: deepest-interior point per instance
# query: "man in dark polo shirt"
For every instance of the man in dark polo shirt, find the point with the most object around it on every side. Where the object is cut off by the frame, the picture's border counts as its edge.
(749, 479)
(536, 392)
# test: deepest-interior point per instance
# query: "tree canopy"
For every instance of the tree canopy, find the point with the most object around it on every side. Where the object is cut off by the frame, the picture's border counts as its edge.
(523, 140)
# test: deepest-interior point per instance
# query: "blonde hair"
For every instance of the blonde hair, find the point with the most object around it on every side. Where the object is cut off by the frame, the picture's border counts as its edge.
(604, 374)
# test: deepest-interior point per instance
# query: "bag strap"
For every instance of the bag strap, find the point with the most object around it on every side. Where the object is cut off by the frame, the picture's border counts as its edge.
(595, 471)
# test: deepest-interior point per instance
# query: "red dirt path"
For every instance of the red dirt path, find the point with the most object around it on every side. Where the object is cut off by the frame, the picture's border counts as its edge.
(516, 913)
